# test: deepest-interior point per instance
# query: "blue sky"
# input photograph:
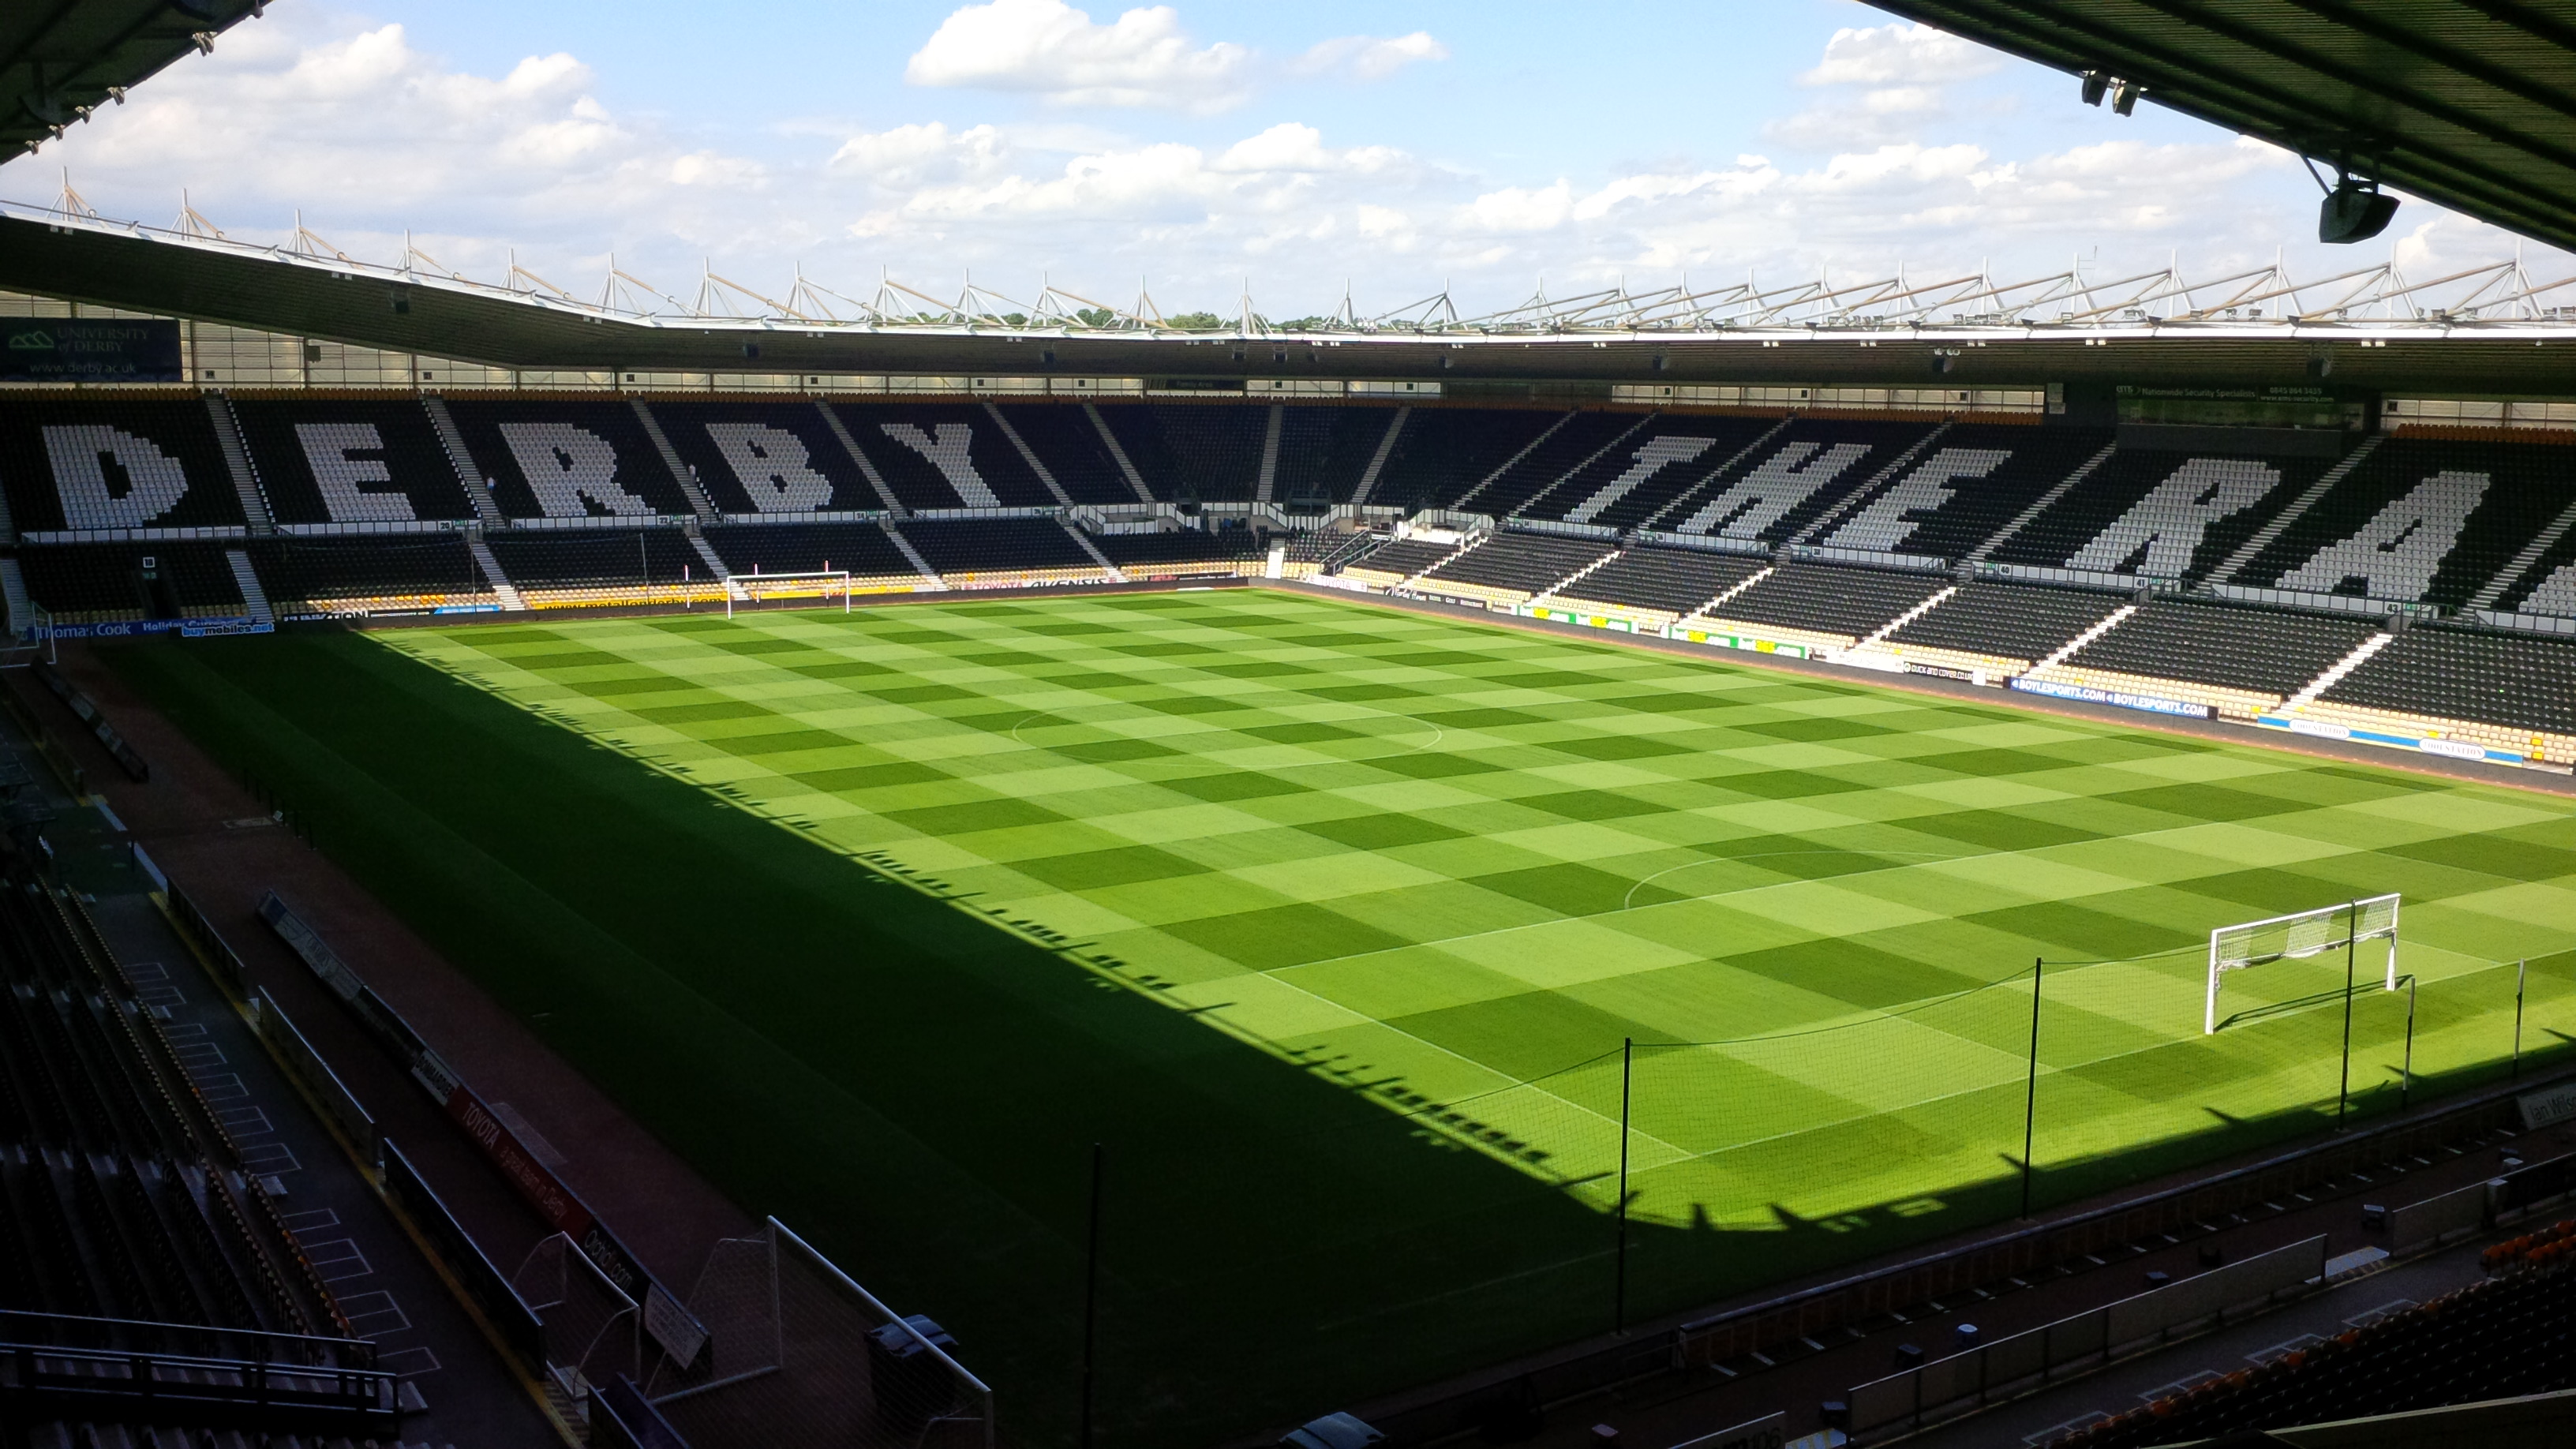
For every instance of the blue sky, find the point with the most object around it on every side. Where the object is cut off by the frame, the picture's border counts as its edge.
(1202, 146)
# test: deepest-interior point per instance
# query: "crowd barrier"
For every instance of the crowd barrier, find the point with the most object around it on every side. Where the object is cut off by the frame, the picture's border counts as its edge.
(316, 1074)
(2023, 1361)
(127, 758)
(512, 1320)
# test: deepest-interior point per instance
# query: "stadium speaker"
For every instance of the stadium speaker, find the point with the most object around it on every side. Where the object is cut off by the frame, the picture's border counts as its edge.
(1940, 362)
(2096, 85)
(402, 304)
(751, 351)
(2124, 97)
(2355, 210)
(2320, 366)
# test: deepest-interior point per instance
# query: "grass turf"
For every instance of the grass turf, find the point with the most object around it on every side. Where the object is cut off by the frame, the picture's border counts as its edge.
(1330, 922)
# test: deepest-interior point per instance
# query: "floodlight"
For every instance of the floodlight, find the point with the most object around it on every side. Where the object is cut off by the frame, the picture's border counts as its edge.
(2124, 97)
(2355, 210)
(2095, 84)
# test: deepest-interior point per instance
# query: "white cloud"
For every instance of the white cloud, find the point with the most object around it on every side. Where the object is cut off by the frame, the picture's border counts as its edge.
(1057, 52)
(1881, 55)
(1367, 57)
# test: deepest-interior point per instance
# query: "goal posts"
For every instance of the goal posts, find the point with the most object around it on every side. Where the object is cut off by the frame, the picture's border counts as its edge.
(759, 588)
(2299, 935)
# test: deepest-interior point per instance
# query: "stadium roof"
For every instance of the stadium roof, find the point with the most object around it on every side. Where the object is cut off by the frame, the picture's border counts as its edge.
(62, 59)
(2471, 103)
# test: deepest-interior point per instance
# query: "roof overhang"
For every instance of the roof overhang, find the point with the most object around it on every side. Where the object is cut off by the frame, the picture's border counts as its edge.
(62, 59)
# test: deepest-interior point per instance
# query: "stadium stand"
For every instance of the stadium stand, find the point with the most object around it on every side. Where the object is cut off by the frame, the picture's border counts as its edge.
(1444, 452)
(752, 458)
(1511, 568)
(1323, 453)
(2238, 661)
(2151, 513)
(2422, 520)
(1628, 483)
(92, 583)
(943, 455)
(1396, 560)
(560, 567)
(1192, 452)
(567, 458)
(2495, 1339)
(313, 577)
(324, 461)
(1182, 552)
(144, 462)
(1778, 490)
(1067, 441)
(1822, 606)
(1563, 449)
(1970, 482)
(1999, 628)
(799, 548)
(2512, 692)
(1658, 584)
(990, 552)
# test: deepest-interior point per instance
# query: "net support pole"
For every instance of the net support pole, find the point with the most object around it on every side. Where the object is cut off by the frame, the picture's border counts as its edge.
(2521, 970)
(2351, 949)
(2406, 1073)
(1619, 1293)
(2030, 1097)
(1090, 1294)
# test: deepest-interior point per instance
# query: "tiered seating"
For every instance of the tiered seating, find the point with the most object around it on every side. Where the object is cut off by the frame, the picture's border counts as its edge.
(342, 460)
(1822, 607)
(1063, 437)
(944, 455)
(115, 1202)
(1647, 469)
(2148, 513)
(1397, 560)
(765, 457)
(1002, 552)
(1659, 585)
(1972, 480)
(1183, 552)
(2503, 691)
(1775, 492)
(91, 583)
(306, 577)
(1192, 452)
(143, 462)
(2239, 661)
(1443, 452)
(561, 568)
(2421, 519)
(2497, 1339)
(1509, 491)
(804, 548)
(567, 458)
(1999, 628)
(1510, 568)
(1323, 451)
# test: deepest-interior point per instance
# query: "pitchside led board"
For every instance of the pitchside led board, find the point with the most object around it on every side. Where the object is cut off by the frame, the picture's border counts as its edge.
(89, 349)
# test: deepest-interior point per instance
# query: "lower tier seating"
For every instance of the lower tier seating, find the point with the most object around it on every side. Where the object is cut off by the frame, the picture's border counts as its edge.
(305, 576)
(1829, 606)
(803, 548)
(2454, 682)
(1510, 567)
(2238, 660)
(1183, 550)
(1035, 550)
(1674, 581)
(102, 582)
(1398, 559)
(2008, 624)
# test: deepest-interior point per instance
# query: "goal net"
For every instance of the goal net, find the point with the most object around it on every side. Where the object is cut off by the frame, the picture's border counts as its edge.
(2297, 936)
(760, 588)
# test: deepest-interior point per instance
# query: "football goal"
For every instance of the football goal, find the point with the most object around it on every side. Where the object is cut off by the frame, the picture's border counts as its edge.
(2297, 936)
(760, 588)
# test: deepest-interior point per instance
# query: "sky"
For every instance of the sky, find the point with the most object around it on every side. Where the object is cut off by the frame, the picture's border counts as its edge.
(1198, 151)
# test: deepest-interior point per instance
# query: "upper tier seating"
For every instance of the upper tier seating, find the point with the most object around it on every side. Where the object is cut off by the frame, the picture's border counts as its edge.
(1970, 481)
(1628, 483)
(90, 583)
(2421, 519)
(2149, 513)
(944, 455)
(1443, 452)
(2007, 621)
(1401, 558)
(1192, 452)
(2517, 681)
(1521, 564)
(1069, 443)
(343, 460)
(332, 575)
(805, 548)
(567, 458)
(1827, 601)
(2251, 650)
(1675, 581)
(1582, 436)
(1776, 491)
(594, 558)
(997, 546)
(145, 462)
(1323, 451)
(766, 457)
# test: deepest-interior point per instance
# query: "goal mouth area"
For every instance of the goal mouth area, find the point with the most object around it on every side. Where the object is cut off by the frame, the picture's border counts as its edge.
(810, 584)
(2299, 936)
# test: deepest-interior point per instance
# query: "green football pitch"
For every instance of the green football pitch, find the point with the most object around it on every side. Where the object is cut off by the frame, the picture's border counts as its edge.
(1330, 923)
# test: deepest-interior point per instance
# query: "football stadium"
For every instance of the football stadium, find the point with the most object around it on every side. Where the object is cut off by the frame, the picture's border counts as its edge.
(1954, 860)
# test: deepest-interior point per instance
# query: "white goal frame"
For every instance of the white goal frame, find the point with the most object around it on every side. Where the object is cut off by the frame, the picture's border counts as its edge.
(2305, 933)
(748, 586)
